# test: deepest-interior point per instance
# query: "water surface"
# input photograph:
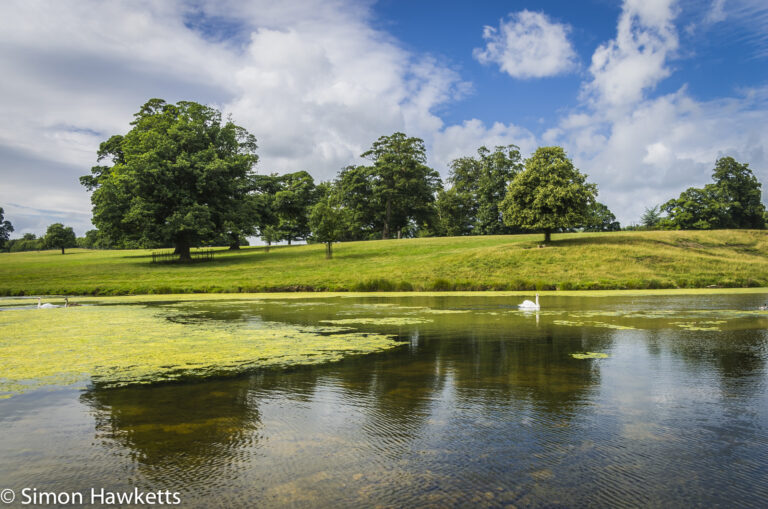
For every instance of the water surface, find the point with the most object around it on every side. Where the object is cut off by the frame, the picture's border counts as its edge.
(478, 404)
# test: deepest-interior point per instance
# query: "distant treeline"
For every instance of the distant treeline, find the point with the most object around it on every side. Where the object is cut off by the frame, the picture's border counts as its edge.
(183, 177)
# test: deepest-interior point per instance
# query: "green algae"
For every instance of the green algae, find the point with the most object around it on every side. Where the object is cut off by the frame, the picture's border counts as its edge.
(398, 320)
(131, 344)
(590, 355)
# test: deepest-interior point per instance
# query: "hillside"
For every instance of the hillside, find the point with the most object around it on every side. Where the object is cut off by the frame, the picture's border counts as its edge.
(580, 261)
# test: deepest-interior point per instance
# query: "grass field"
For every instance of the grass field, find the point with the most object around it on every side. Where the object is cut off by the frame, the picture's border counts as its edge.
(580, 261)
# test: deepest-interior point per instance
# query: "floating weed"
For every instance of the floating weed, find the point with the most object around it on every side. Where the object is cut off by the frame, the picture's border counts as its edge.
(590, 355)
(616, 326)
(445, 311)
(401, 320)
(120, 345)
(569, 323)
(695, 325)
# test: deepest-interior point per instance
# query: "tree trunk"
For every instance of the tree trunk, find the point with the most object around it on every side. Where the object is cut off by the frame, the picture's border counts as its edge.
(269, 243)
(289, 241)
(399, 233)
(183, 251)
(62, 250)
(328, 253)
(547, 236)
(387, 218)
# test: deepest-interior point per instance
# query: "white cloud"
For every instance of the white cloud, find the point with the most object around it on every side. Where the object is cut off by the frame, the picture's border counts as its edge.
(644, 150)
(464, 140)
(624, 68)
(528, 45)
(311, 79)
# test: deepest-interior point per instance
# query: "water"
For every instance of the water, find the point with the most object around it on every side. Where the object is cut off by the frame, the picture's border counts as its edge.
(480, 405)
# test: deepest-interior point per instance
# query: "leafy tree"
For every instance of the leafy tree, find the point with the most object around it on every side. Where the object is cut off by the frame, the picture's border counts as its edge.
(401, 182)
(695, 209)
(328, 221)
(731, 201)
(651, 217)
(355, 188)
(455, 214)
(180, 176)
(481, 184)
(738, 190)
(5, 229)
(60, 237)
(550, 194)
(600, 219)
(292, 202)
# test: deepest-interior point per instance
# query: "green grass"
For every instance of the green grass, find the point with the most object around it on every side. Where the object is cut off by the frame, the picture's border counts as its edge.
(599, 261)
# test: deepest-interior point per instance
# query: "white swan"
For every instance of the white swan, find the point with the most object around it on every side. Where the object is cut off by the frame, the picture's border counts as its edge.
(527, 304)
(44, 306)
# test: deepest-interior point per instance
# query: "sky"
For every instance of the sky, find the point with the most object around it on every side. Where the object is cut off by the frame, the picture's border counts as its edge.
(644, 95)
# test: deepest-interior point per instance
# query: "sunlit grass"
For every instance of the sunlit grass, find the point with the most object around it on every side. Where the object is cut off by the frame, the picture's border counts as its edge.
(605, 261)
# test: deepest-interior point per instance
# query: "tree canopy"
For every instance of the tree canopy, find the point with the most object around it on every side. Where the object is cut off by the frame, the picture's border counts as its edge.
(549, 194)
(480, 184)
(328, 220)
(402, 187)
(731, 201)
(180, 177)
(5, 229)
(60, 237)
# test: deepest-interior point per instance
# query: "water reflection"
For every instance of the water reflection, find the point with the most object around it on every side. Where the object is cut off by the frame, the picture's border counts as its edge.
(480, 406)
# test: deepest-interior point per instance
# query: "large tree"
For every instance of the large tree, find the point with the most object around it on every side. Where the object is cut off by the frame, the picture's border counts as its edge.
(180, 176)
(738, 190)
(60, 237)
(550, 194)
(481, 183)
(5, 229)
(731, 201)
(401, 182)
(600, 219)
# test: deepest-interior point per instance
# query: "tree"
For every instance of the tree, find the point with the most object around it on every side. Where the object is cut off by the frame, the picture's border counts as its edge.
(60, 237)
(550, 194)
(401, 182)
(600, 219)
(355, 188)
(738, 191)
(695, 209)
(731, 201)
(5, 229)
(328, 221)
(292, 201)
(651, 217)
(481, 184)
(455, 214)
(180, 176)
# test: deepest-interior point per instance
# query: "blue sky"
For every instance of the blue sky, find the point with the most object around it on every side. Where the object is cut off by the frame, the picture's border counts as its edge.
(644, 95)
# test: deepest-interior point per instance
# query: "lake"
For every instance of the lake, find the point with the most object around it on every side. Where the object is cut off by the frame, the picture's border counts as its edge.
(621, 401)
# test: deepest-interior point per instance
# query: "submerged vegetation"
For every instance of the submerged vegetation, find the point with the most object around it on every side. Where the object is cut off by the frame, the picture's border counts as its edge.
(579, 261)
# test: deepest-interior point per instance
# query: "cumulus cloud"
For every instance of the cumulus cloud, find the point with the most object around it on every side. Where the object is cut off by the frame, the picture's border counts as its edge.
(528, 45)
(311, 79)
(643, 150)
(464, 139)
(636, 60)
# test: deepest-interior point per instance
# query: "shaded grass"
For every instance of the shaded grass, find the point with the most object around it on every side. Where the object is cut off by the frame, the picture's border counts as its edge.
(599, 261)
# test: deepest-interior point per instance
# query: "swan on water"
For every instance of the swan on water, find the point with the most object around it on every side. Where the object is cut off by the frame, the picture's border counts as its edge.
(44, 306)
(527, 304)
(68, 304)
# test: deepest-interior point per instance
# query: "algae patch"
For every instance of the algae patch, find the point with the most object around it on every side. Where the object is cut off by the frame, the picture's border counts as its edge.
(126, 344)
(401, 320)
(590, 355)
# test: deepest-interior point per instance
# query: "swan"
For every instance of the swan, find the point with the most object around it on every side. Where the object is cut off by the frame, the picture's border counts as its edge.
(764, 307)
(68, 304)
(527, 304)
(44, 306)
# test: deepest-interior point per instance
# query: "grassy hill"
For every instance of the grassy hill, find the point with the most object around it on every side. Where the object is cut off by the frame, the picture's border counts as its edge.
(581, 261)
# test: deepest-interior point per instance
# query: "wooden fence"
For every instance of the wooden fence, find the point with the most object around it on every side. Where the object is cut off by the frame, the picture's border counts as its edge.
(204, 255)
